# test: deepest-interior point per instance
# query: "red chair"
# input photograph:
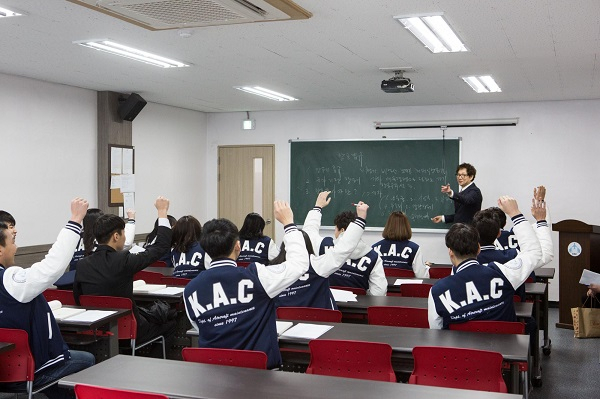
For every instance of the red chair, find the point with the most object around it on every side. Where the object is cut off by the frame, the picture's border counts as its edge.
(312, 314)
(64, 296)
(439, 272)
(398, 316)
(416, 290)
(177, 281)
(91, 392)
(127, 324)
(17, 364)
(397, 272)
(458, 368)
(357, 291)
(351, 359)
(243, 264)
(226, 357)
(158, 263)
(149, 277)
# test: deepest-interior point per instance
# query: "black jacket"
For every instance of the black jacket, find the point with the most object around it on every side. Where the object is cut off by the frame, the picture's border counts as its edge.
(466, 204)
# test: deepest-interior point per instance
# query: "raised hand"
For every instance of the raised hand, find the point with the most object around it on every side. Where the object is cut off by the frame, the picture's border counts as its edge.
(79, 207)
(322, 200)
(283, 212)
(509, 205)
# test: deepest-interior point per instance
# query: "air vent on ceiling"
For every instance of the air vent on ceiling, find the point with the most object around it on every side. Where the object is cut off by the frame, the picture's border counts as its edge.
(177, 14)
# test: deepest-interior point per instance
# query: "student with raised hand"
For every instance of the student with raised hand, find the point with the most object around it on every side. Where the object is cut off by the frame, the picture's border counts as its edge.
(233, 307)
(396, 249)
(256, 247)
(364, 269)
(187, 255)
(477, 292)
(22, 305)
(312, 289)
(151, 239)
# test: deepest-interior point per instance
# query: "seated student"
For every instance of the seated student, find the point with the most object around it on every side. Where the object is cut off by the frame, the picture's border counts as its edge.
(506, 239)
(109, 270)
(187, 255)
(232, 307)
(312, 289)
(10, 222)
(256, 247)
(22, 305)
(151, 239)
(364, 269)
(396, 250)
(476, 292)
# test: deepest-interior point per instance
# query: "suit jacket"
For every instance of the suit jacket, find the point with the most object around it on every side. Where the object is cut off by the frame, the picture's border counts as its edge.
(466, 204)
(110, 273)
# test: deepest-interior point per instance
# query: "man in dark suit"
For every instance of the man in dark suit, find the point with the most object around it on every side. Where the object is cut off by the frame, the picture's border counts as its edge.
(468, 199)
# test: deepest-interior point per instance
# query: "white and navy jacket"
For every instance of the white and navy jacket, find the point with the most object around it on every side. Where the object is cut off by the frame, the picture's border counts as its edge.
(233, 307)
(22, 305)
(477, 292)
(189, 264)
(402, 255)
(260, 250)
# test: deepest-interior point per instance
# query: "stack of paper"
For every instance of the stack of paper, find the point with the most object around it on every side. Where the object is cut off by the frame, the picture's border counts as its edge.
(91, 315)
(307, 331)
(282, 326)
(343, 295)
(169, 291)
(141, 286)
(401, 281)
(61, 313)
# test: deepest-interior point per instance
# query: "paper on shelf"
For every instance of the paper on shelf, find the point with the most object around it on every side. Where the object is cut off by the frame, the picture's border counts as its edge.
(169, 291)
(282, 326)
(91, 315)
(307, 331)
(141, 286)
(343, 295)
(589, 277)
(401, 281)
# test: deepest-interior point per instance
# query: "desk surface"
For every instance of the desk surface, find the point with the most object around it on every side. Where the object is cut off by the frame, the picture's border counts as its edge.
(6, 346)
(530, 288)
(178, 379)
(67, 325)
(165, 271)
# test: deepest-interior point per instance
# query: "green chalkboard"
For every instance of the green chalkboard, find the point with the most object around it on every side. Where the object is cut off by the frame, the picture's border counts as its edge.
(388, 175)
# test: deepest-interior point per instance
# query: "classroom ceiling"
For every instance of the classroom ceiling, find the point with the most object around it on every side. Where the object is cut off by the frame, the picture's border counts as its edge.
(535, 49)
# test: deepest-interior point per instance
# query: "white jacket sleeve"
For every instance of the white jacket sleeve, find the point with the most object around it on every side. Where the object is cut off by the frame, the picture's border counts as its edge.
(273, 250)
(276, 278)
(436, 321)
(328, 263)
(419, 267)
(312, 224)
(519, 269)
(129, 234)
(544, 236)
(377, 280)
(25, 284)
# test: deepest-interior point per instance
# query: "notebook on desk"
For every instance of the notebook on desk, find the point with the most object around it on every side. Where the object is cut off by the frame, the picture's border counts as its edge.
(307, 331)
(61, 313)
(141, 287)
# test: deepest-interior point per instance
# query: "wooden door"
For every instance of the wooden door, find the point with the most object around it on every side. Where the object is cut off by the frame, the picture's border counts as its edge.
(246, 183)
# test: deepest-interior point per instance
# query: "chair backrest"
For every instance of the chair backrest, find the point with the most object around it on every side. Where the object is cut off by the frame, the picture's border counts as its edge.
(314, 314)
(398, 316)
(158, 263)
(397, 272)
(351, 359)
(17, 364)
(243, 264)
(491, 326)
(92, 392)
(416, 290)
(178, 281)
(458, 368)
(149, 277)
(127, 324)
(439, 272)
(64, 296)
(357, 291)
(226, 357)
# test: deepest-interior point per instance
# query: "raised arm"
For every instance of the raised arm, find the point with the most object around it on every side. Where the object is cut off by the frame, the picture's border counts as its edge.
(540, 213)
(129, 230)
(26, 284)
(312, 223)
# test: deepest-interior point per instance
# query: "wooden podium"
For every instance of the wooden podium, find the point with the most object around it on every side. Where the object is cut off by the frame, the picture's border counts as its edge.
(578, 249)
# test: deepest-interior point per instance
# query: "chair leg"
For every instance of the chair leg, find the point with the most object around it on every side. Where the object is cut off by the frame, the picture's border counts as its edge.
(29, 389)
(525, 376)
(133, 347)
(164, 348)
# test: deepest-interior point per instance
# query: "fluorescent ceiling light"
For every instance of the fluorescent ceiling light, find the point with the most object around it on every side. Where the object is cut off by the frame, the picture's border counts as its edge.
(434, 32)
(5, 12)
(482, 84)
(131, 53)
(270, 94)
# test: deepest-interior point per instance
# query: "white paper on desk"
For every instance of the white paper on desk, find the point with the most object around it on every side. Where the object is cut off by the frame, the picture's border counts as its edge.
(91, 315)
(116, 160)
(589, 277)
(115, 181)
(282, 326)
(61, 313)
(127, 183)
(127, 161)
(169, 291)
(343, 295)
(401, 281)
(307, 331)
(136, 249)
(128, 201)
(141, 286)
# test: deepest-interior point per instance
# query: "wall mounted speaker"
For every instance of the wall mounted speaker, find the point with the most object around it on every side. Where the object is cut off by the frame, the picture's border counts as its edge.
(131, 106)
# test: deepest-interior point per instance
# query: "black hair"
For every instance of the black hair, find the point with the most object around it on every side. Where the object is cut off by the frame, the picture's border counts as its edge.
(499, 213)
(106, 225)
(487, 226)
(7, 218)
(3, 230)
(186, 231)
(152, 235)
(463, 240)
(282, 253)
(219, 237)
(253, 227)
(471, 171)
(89, 220)
(343, 220)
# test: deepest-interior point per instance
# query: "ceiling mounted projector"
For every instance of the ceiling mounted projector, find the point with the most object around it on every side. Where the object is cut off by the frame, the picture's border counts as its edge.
(397, 84)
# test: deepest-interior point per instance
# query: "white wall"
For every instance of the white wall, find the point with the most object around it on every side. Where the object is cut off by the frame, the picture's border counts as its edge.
(554, 143)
